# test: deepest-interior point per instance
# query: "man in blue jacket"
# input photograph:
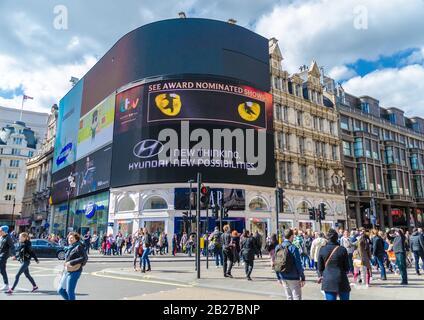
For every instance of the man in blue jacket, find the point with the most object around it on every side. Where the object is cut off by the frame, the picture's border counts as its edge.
(294, 279)
(7, 249)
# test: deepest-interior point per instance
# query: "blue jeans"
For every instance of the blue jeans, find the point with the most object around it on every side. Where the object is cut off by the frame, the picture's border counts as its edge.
(306, 261)
(401, 263)
(350, 260)
(218, 256)
(380, 261)
(68, 284)
(417, 256)
(25, 270)
(333, 295)
(145, 258)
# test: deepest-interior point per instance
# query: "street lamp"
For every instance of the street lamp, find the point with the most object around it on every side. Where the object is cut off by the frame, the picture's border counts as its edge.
(72, 185)
(13, 214)
(346, 202)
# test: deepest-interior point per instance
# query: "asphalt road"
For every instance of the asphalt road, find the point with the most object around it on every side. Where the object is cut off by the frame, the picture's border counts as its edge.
(113, 278)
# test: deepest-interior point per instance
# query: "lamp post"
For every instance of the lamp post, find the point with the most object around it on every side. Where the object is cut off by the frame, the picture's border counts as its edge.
(13, 214)
(346, 202)
(191, 181)
(72, 185)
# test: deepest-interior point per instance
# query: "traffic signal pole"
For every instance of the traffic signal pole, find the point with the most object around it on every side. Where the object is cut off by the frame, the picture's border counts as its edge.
(199, 182)
(206, 242)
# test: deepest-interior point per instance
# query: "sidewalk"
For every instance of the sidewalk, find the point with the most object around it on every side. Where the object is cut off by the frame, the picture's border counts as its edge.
(264, 282)
(95, 256)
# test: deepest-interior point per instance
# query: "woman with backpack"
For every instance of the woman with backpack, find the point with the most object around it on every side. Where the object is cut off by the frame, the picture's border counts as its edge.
(24, 254)
(75, 258)
(333, 266)
(248, 250)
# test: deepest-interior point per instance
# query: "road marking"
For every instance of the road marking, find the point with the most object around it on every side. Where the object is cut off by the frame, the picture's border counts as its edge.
(97, 274)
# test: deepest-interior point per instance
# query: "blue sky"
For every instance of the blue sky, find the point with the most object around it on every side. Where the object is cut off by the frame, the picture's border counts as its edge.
(373, 48)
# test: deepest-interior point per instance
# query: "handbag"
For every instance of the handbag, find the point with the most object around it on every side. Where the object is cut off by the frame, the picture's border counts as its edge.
(73, 268)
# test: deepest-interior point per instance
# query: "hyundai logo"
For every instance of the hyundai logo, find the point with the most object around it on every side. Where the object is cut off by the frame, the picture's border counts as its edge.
(147, 148)
(64, 153)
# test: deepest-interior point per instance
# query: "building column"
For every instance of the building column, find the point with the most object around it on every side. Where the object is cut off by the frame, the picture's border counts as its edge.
(389, 215)
(358, 214)
(408, 218)
(381, 214)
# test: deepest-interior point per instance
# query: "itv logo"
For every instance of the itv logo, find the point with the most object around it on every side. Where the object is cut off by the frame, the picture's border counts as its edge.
(126, 104)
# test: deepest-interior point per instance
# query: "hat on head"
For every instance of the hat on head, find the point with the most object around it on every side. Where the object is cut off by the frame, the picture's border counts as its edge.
(5, 229)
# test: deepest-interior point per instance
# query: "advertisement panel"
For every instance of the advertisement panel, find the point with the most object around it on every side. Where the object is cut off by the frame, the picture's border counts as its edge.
(234, 199)
(91, 174)
(96, 127)
(93, 171)
(220, 128)
(65, 150)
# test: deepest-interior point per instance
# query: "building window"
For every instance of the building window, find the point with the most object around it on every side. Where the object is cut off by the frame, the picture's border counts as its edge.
(344, 123)
(30, 154)
(418, 187)
(277, 111)
(375, 151)
(16, 152)
(14, 163)
(321, 124)
(283, 141)
(415, 162)
(358, 148)
(155, 203)
(11, 186)
(347, 149)
(302, 208)
(12, 175)
(388, 155)
(258, 204)
(376, 130)
(299, 118)
(365, 107)
(362, 177)
(321, 177)
(303, 175)
(367, 148)
(357, 125)
(8, 197)
(334, 152)
(285, 113)
(301, 145)
(331, 125)
(392, 182)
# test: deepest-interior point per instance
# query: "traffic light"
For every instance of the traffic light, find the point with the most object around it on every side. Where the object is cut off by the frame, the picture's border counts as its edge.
(280, 199)
(204, 195)
(311, 213)
(323, 211)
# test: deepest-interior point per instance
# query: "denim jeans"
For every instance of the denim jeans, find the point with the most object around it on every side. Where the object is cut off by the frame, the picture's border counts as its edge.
(68, 284)
(145, 258)
(380, 261)
(417, 256)
(218, 256)
(401, 263)
(333, 295)
(248, 267)
(3, 270)
(306, 261)
(25, 270)
(350, 260)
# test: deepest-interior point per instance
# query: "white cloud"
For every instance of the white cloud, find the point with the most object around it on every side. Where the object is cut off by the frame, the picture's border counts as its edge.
(325, 30)
(45, 82)
(398, 87)
(339, 73)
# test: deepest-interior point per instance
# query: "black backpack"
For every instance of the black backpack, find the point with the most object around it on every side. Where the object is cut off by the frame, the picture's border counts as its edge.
(284, 259)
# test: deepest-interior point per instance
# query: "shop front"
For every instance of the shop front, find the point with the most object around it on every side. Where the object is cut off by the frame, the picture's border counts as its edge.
(23, 224)
(86, 214)
(307, 225)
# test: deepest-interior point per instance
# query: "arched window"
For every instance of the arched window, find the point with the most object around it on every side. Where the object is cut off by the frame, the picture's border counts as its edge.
(287, 207)
(302, 208)
(155, 203)
(126, 204)
(258, 204)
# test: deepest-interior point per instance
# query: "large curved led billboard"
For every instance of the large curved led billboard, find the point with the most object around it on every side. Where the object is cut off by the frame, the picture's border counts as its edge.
(167, 100)
(166, 131)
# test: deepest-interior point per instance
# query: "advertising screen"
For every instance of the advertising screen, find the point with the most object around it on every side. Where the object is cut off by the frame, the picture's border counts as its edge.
(96, 127)
(167, 131)
(234, 199)
(65, 150)
(91, 173)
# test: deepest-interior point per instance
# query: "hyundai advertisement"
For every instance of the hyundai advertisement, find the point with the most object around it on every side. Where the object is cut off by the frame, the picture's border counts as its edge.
(166, 131)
